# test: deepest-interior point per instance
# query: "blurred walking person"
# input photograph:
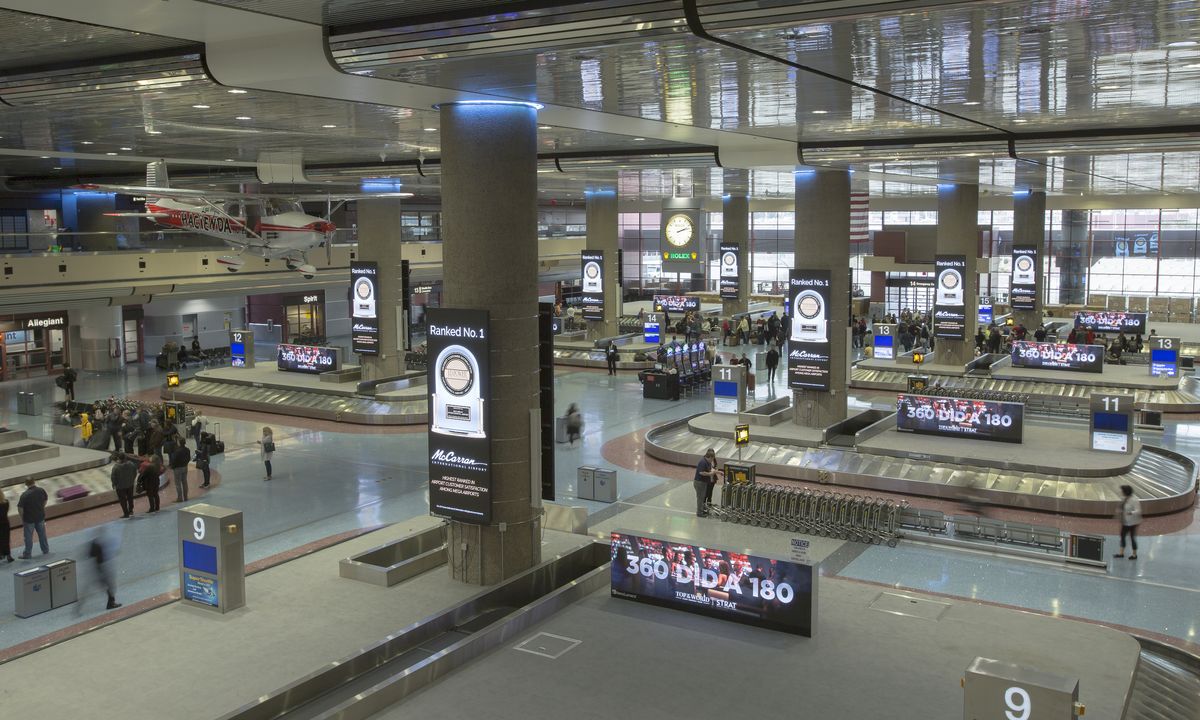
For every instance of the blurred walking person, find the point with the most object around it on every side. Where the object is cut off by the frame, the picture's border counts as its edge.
(1130, 515)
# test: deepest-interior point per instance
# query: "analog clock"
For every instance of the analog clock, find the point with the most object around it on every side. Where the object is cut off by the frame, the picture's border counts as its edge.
(679, 230)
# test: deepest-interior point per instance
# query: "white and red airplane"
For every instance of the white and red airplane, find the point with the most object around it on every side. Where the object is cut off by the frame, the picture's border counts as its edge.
(266, 226)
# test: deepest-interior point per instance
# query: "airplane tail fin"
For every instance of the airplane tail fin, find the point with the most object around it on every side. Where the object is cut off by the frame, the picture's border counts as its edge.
(156, 174)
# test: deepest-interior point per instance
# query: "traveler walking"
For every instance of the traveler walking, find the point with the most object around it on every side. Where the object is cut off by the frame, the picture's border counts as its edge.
(772, 365)
(123, 478)
(267, 449)
(704, 480)
(180, 458)
(150, 481)
(1130, 516)
(5, 529)
(612, 355)
(66, 381)
(32, 507)
(103, 552)
(574, 423)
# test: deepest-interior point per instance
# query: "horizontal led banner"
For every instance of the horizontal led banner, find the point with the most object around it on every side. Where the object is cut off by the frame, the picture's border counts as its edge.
(1058, 356)
(959, 417)
(307, 359)
(1110, 321)
(676, 303)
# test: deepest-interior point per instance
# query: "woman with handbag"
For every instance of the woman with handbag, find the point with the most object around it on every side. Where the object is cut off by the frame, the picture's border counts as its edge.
(267, 450)
(1130, 515)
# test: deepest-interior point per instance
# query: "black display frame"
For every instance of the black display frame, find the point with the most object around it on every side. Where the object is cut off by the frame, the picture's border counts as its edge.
(1056, 350)
(591, 301)
(941, 426)
(809, 360)
(364, 328)
(950, 318)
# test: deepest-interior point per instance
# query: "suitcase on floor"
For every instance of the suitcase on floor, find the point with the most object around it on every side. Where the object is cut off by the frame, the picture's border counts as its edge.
(216, 445)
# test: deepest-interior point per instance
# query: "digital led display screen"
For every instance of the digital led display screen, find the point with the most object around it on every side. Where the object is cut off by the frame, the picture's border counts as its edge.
(1111, 422)
(725, 584)
(364, 310)
(1023, 284)
(460, 474)
(307, 358)
(725, 388)
(592, 298)
(676, 303)
(950, 297)
(1164, 363)
(731, 260)
(1058, 356)
(201, 558)
(885, 347)
(959, 417)
(1111, 321)
(808, 345)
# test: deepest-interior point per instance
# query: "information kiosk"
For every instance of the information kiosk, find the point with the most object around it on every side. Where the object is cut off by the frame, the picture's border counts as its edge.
(729, 389)
(212, 564)
(1111, 425)
(241, 348)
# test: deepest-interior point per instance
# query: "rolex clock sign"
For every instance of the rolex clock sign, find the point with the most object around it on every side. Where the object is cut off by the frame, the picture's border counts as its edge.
(460, 477)
(682, 234)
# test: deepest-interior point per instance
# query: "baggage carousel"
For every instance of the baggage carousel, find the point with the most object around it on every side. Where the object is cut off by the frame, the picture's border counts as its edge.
(1165, 481)
(1183, 399)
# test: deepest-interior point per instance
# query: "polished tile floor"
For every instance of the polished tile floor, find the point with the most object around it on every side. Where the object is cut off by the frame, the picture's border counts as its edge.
(330, 479)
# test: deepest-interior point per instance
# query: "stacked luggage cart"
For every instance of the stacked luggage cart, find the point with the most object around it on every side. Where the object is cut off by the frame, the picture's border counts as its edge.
(816, 512)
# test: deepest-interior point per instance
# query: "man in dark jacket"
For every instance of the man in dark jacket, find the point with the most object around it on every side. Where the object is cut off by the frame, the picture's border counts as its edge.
(180, 457)
(32, 507)
(772, 365)
(69, 377)
(124, 477)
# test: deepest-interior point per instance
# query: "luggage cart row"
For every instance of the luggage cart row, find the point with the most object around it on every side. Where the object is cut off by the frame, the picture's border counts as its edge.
(970, 393)
(935, 522)
(850, 517)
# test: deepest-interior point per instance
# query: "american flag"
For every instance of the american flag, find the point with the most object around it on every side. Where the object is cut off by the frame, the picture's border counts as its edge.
(859, 227)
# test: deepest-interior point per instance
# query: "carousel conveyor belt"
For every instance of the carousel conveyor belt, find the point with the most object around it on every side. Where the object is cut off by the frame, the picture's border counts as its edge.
(358, 410)
(1165, 481)
(1182, 400)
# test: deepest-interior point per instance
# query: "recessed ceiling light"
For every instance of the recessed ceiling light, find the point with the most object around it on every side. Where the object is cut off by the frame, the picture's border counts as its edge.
(45, 157)
(1183, 43)
(154, 132)
(201, 107)
(1110, 87)
(971, 102)
(57, 167)
(235, 91)
(430, 129)
(228, 159)
(820, 112)
(639, 139)
(86, 142)
(1020, 120)
(126, 149)
(543, 127)
(243, 117)
(329, 127)
(110, 153)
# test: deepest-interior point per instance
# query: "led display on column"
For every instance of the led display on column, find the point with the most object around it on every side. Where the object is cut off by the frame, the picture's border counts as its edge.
(593, 284)
(731, 261)
(1023, 287)
(364, 310)
(808, 346)
(460, 476)
(949, 297)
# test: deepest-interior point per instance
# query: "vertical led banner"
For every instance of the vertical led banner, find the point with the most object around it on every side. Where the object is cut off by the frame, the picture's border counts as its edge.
(364, 307)
(460, 475)
(731, 262)
(592, 299)
(808, 345)
(949, 298)
(1022, 293)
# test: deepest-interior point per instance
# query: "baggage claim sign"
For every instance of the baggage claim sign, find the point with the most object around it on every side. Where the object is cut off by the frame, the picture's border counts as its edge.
(460, 472)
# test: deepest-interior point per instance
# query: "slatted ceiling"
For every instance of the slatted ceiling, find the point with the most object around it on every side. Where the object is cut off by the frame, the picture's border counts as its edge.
(33, 40)
(352, 12)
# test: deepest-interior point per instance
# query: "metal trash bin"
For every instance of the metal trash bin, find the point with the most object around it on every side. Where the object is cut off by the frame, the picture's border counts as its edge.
(29, 403)
(64, 588)
(586, 483)
(1086, 547)
(31, 591)
(604, 486)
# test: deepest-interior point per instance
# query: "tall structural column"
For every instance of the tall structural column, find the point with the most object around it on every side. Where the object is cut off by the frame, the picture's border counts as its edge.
(735, 217)
(823, 243)
(602, 234)
(958, 234)
(379, 241)
(92, 332)
(490, 260)
(1029, 228)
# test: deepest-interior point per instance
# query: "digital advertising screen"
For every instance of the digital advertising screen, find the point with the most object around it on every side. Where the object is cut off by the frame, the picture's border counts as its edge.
(460, 474)
(986, 313)
(200, 589)
(960, 417)
(1058, 356)
(1022, 289)
(949, 297)
(884, 340)
(201, 558)
(1111, 321)
(809, 344)
(1164, 356)
(651, 330)
(592, 269)
(724, 584)
(1110, 431)
(364, 311)
(307, 358)
(676, 303)
(731, 260)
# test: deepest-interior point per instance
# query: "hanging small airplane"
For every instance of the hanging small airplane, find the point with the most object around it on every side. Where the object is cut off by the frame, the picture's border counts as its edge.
(262, 225)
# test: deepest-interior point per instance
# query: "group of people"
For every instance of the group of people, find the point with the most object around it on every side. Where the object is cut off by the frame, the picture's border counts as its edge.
(143, 430)
(763, 331)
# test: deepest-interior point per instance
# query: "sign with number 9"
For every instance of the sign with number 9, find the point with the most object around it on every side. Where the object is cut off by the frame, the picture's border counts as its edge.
(198, 528)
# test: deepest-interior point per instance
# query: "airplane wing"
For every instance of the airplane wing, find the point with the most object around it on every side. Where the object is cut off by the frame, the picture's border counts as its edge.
(162, 192)
(346, 196)
(148, 216)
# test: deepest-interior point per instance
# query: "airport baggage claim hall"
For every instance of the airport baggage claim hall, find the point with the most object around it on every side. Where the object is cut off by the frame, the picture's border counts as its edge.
(525, 359)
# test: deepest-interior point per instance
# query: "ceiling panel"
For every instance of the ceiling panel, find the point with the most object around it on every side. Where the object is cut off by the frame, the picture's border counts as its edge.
(33, 40)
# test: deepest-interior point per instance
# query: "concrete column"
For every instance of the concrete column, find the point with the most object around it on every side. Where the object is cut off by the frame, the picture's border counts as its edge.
(602, 234)
(823, 243)
(1073, 258)
(735, 213)
(1029, 228)
(958, 234)
(489, 232)
(96, 328)
(379, 241)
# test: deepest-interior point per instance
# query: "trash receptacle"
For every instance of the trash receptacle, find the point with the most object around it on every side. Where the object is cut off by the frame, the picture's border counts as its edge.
(63, 585)
(604, 485)
(586, 485)
(29, 403)
(31, 591)
(560, 429)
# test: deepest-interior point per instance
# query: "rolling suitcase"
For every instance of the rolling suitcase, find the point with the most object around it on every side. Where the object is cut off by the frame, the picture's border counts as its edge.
(217, 445)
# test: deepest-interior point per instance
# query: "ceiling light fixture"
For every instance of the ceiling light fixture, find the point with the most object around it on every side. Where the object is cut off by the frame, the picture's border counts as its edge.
(543, 127)
(243, 117)
(639, 139)
(110, 153)
(86, 142)
(235, 91)
(126, 149)
(329, 127)
(228, 159)
(154, 132)
(1110, 87)
(820, 112)
(57, 167)
(45, 157)
(201, 107)
(430, 129)
(1182, 43)
(971, 102)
